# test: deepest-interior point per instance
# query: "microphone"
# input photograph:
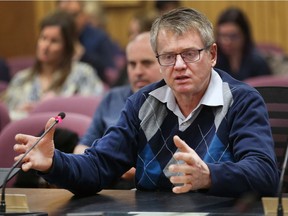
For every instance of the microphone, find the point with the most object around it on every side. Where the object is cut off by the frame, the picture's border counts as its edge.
(280, 192)
(58, 119)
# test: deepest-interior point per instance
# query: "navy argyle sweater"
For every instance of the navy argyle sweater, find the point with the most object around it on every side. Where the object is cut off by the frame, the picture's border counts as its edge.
(234, 140)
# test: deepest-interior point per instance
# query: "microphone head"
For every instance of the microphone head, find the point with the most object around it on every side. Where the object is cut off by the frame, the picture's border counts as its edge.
(62, 115)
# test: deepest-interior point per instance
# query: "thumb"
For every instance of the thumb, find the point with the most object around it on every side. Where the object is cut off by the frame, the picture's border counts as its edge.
(50, 126)
(181, 144)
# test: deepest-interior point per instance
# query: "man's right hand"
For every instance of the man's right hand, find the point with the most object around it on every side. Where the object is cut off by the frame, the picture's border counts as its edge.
(41, 156)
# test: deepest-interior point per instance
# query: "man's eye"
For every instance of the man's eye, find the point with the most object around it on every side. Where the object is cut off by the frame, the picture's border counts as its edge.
(168, 56)
(190, 54)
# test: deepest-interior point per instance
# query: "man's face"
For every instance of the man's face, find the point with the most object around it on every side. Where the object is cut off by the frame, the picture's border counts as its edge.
(50, 45)
(186, 78)
(142, 65)
(230, 39)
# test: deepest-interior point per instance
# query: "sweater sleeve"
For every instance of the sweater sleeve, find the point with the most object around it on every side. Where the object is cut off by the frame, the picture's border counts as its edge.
(255, 168)
(103, 163)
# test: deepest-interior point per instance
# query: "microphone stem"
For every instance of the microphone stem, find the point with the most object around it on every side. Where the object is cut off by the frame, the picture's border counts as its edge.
(280, 207)
(3, 203)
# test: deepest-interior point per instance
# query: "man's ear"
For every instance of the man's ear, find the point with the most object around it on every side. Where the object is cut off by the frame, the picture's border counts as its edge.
(213, 54)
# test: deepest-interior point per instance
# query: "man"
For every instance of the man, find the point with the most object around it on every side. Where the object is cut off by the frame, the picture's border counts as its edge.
(197, 130)
(142, 69)
(95, 47)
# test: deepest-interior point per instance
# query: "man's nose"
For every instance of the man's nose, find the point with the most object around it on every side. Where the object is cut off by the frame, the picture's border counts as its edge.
(138, 69)
(179, 62)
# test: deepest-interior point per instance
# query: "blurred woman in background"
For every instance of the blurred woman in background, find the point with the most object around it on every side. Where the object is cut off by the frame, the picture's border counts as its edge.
(237, 53)
(54, 72)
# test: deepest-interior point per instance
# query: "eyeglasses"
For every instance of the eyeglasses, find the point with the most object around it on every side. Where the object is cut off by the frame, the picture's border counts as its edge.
(188, 56)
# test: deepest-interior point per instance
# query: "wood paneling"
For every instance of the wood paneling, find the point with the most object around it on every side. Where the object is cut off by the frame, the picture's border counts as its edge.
(19, 20)
(17, 28)
(268, 19)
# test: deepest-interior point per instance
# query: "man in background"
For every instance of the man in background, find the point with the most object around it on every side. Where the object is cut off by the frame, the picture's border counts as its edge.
(96, 47)
(142, 69)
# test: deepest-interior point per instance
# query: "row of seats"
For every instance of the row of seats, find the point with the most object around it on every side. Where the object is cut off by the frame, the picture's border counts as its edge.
(276, 99)
(79, 111)
(274, 90)
(85, 105)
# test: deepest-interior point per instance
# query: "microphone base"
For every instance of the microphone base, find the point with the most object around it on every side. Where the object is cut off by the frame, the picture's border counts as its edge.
(270, 205)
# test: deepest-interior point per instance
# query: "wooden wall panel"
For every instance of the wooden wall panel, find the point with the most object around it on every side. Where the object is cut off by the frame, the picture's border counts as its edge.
(17, 29)
(268, 19)
(19, 20)
(119, 15)
(19, 26)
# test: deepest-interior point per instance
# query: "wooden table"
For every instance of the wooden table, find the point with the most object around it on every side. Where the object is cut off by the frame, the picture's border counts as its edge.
(125, 202)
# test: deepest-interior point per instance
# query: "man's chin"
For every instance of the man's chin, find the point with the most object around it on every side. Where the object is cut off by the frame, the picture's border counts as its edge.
(140, 85)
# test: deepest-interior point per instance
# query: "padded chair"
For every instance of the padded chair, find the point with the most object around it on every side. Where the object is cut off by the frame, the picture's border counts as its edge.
(3, 86)
(268, 80)
(85, 105)
(4, 116)
(19, 63)
(34, 125)
(276, 99)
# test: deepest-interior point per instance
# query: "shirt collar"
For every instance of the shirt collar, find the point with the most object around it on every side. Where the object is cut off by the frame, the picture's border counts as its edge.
(212, 97)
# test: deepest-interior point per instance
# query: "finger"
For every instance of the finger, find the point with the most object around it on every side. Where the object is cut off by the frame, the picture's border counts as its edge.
(26, 166)
(188, 158)
(16, 158)
(181, 179)
(22, 138)
(182, 189)
(180, 144)
(19, 148)
(181, 168)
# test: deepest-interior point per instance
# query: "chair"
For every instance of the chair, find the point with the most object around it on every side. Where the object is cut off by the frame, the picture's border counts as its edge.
(85, 105)
(276, 99)
(268, 80)
(34, 125)
(4, 116)
(19, 63)
(3, 86)
(268, 49)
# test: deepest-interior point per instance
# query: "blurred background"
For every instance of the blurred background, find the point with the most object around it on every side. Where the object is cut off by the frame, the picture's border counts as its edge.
(20, 19)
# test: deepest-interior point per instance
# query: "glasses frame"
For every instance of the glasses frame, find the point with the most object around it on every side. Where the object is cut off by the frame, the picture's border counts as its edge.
(176, 54)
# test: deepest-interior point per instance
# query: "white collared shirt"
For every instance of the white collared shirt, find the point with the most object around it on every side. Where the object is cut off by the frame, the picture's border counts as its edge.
(212, 97)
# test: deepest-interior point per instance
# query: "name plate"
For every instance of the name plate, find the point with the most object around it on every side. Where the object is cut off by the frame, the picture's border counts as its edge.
(16, 203)
(270, 205)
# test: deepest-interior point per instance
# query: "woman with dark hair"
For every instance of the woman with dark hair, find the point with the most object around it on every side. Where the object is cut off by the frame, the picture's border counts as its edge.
(55, 72)
(237, 53)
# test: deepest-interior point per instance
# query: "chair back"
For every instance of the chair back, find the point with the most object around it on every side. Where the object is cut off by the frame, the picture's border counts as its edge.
(276, 99)
(3, 86)
(268, 80)
(85, 105)
(34, 125)
(4, 116)
(18, 63)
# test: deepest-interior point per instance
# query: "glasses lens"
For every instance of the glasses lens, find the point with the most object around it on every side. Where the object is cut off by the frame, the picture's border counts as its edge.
(167, 59)
(190, 55)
